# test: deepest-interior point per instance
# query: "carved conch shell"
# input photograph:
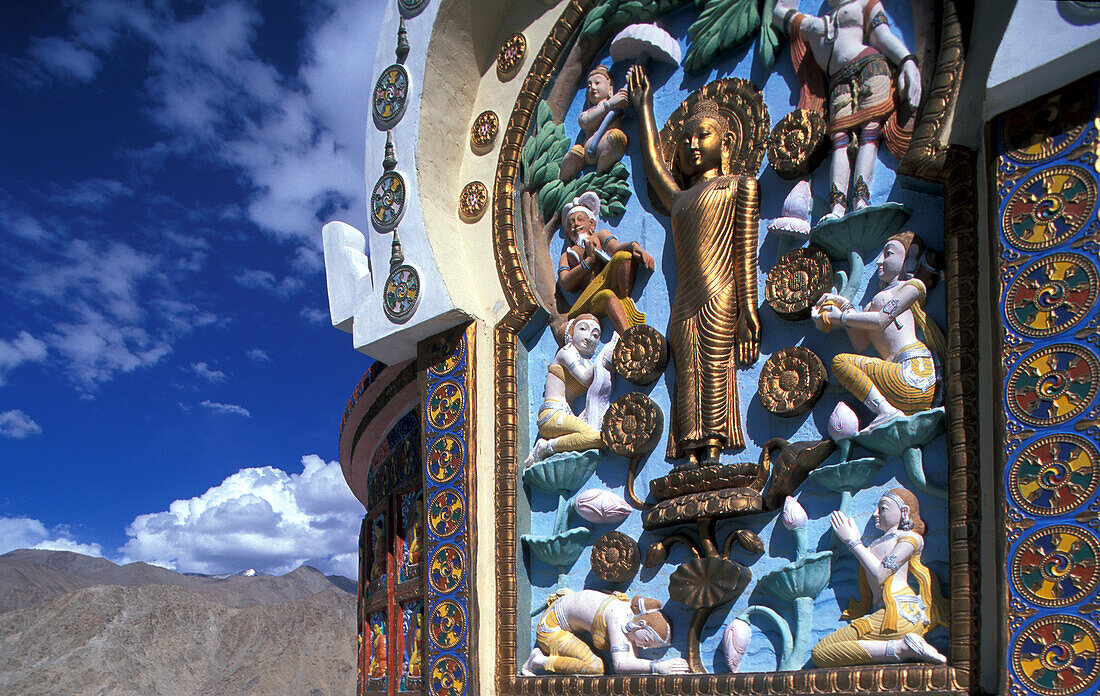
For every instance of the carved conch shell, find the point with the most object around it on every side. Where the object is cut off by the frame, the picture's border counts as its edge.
(601, 507)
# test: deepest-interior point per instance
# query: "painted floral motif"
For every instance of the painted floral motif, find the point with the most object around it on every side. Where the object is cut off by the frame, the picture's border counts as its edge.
(445, 458)
(447, 625)
(510, 55)
(445, 404)
(446, 569)
(1056, 566)
(1054, 475)
(448, 677)
(445, 513)
(1049, 207)
(1057, 656)
(1053, 385)
(1051, 295)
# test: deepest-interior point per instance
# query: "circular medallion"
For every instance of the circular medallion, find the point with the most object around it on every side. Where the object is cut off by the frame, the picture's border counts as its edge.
(445, 458)
(445, 513)
(448, 677)
(792, 381)
(446, 569)
(1054, 475)
(1051, 295)
(1050, 126)
(796, 145)
(387, 202)
(447, 624)
(641, 355)
(1049, 208)
(1056, 566)
(473, 201)
(391, 95)
(615, 558)
(1057, 656)
(1053, 385)
(401, 294)
(411, 8)
(445, 405)
(632, 425)
(797, 281)
(445, 353)
(510, 56)
(484, 131)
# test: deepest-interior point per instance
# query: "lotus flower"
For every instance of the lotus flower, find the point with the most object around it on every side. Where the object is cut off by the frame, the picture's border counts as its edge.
(600, 506)
(843, 424)
(794, 515)
(795, 220)
(735, 641)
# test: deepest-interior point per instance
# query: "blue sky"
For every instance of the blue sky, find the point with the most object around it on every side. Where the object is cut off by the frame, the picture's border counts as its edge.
(170, 385)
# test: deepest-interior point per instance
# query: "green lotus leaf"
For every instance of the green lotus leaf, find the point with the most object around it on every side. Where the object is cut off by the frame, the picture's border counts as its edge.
(899, 434)
(804, 578)
(848, 476)
(562, 473)
(559, 550)
(862, 231)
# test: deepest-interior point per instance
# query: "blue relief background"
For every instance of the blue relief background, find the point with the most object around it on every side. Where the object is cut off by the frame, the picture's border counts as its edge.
(652, 295)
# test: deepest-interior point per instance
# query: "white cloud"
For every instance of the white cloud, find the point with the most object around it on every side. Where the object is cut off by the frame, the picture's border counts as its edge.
(259, 518)
(314, 315)
(258, 355)
(64, 58)
(206, 372)
(24, 348)
(256, 279)
(231, 409)
(91, 193)
(18, 425)
(29, 533)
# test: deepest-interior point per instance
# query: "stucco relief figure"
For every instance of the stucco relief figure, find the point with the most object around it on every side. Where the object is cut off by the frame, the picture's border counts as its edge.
(889, 620)
(576, 371)
(601, 123)
(858, 53)
(598, 266)
(613, 622)
(903, 381)
(715, 220)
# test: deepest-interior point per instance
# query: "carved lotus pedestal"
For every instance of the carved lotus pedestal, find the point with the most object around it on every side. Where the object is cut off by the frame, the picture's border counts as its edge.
(562, 474)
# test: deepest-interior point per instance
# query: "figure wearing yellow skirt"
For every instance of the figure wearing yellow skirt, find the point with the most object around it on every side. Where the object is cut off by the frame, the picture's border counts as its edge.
(903, 380)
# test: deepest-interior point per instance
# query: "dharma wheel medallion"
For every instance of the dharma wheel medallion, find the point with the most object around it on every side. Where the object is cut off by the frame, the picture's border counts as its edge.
(641, 355)
(796, 145)
(615, 558)
(792, 381)
(797, 281)
(391, 95)
(401, 294)
(632, 425)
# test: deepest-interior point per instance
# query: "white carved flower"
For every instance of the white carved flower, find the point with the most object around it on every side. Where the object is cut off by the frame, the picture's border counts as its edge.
(844, 423)
(794, 516)
(600, 506)
(735, 641)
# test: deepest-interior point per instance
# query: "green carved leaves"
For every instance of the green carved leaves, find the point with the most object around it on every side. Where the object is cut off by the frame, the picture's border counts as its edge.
(612, 15)
(769, 39)
(541, 160)
(722, 25)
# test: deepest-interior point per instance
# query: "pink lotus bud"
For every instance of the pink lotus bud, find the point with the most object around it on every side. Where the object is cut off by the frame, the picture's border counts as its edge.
(794, 516)
(735, 641)
(600, 506)
(843, 424)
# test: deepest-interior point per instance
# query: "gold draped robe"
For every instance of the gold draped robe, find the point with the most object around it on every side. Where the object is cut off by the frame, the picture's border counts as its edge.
(714, 230)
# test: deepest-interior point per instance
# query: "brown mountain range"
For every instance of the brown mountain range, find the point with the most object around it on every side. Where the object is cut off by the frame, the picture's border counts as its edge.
(75, 625)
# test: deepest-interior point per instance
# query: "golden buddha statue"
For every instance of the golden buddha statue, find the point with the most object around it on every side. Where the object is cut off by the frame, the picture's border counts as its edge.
(702, 171)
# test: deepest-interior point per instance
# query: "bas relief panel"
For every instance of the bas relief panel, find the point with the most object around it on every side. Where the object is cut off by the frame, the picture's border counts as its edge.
(692, 481)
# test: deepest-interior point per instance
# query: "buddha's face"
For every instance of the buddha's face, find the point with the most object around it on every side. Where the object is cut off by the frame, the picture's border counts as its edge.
(890, 261)
(599, 87)
(700, 149)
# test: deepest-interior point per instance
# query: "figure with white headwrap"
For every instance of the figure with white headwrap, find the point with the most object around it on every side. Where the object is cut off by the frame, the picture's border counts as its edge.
(890, 619)
(598, 266)
(616, 623)
(575, 371)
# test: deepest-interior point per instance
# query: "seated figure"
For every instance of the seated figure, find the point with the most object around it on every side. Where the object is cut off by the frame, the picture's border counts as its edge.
(902, 381)
(599, 266)
(889, 621)
(575, 371)
(614, 623)
(601, 121)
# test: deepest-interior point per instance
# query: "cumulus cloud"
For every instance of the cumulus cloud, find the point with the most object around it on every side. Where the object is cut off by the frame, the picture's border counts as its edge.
(231, 409)
(24, 348)
(18, 425)
(257, 279)
(258, 355)
(259, 518)
(29, 533)
(208, 373)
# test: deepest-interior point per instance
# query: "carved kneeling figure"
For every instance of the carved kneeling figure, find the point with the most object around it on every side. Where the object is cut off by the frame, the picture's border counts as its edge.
(894, 631)
(616, 623)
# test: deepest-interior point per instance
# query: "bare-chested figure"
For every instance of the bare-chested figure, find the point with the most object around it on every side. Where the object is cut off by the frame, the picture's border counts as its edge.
(855, 48)
(601, 123)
